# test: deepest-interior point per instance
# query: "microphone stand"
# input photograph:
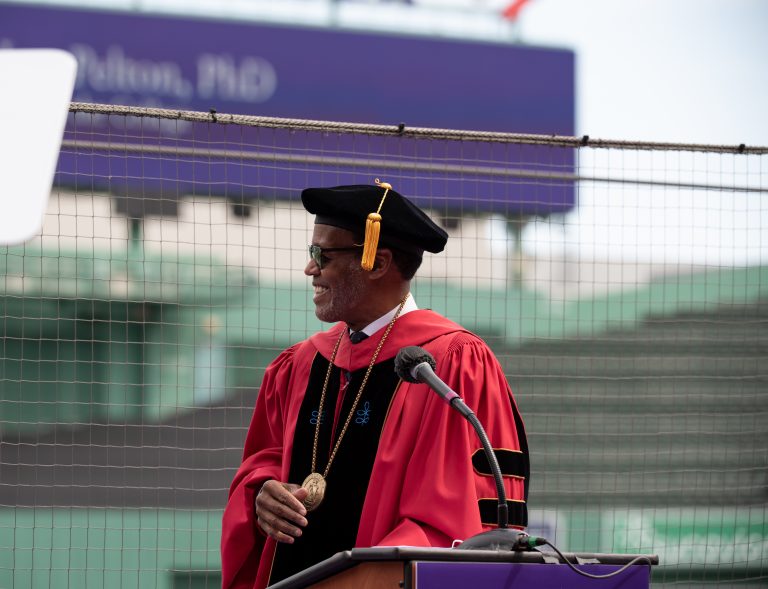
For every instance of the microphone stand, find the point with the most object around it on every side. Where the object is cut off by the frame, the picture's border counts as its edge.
(503, 537)
(414, 364)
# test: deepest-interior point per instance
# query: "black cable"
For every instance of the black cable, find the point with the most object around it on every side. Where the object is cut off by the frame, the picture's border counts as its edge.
(590, 575)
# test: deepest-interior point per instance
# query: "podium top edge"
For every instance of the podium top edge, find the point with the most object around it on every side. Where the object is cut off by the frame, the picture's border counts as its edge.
(350, 558)
(383, 553)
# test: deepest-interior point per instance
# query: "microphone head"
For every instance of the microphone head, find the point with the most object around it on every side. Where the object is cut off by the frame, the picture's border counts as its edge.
(409, 358)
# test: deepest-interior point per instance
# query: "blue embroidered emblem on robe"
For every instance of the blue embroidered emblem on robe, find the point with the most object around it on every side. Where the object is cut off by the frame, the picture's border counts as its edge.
(364, 414)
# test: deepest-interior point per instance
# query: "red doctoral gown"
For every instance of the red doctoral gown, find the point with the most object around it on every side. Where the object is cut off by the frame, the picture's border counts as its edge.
(429, 484)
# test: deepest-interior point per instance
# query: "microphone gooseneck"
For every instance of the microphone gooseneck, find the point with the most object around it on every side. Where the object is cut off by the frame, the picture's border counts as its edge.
(415, 364)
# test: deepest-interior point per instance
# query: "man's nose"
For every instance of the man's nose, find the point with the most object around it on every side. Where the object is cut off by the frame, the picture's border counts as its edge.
(311, 268)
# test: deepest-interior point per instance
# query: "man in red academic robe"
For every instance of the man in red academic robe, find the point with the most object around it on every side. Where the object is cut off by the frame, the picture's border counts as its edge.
(391, 464)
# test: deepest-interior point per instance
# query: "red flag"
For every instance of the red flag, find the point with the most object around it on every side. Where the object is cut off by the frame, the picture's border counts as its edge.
(512, 11)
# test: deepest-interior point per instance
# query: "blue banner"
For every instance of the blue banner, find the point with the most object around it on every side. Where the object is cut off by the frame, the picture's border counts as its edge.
(326, 74)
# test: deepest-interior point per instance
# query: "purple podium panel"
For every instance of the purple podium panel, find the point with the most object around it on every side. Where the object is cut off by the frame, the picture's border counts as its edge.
(500, 575)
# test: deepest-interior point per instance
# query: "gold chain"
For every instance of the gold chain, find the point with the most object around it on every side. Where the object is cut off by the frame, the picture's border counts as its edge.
(357, 398)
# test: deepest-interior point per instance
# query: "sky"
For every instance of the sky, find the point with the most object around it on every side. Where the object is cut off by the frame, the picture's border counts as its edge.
(691, 71)
(663, 70)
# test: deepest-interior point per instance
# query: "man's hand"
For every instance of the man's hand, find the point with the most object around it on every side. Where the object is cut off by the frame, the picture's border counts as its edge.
(279, 510)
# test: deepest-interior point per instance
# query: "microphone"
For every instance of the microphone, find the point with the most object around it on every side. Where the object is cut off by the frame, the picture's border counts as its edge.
(416, 365)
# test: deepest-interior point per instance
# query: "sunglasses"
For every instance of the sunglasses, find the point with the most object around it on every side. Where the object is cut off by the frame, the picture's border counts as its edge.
(317, 253)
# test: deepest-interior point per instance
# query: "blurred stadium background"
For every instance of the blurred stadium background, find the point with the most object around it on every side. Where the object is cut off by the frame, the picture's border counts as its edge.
(168, 274)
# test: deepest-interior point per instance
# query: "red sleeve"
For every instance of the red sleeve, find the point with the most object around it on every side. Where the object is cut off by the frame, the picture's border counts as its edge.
(428, 490)
(241, 539)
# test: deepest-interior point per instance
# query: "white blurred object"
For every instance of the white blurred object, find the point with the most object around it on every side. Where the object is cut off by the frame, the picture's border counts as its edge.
(34, 102)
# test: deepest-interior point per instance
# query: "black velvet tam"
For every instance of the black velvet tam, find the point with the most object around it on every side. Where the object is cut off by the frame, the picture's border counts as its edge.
(403, 225)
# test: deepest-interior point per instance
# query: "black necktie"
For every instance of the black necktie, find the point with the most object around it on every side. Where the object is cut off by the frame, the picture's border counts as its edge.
(357, 336)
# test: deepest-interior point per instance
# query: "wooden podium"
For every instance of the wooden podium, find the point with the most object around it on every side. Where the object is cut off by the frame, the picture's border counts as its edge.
(405, 567)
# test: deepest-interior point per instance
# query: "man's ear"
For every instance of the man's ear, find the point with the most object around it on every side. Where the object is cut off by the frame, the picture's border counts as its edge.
(381, 263)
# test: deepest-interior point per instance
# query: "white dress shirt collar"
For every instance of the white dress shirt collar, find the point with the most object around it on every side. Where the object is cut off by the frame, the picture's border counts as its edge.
(410, 305)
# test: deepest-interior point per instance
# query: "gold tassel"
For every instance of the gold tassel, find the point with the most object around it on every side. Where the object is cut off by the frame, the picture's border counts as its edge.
(371, 244)
(373, 230)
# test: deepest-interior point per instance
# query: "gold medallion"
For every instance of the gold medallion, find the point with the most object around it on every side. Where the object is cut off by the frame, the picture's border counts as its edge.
(315, 486)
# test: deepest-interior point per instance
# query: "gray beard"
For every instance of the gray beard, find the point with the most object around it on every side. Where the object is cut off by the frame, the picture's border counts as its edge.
(347, 297)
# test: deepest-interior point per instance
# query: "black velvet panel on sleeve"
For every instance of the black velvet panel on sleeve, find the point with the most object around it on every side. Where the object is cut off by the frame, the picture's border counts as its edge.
(489, 512)
(512, 463)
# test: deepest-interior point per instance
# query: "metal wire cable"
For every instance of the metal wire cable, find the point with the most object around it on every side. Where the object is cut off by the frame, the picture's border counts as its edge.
(405, 131)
